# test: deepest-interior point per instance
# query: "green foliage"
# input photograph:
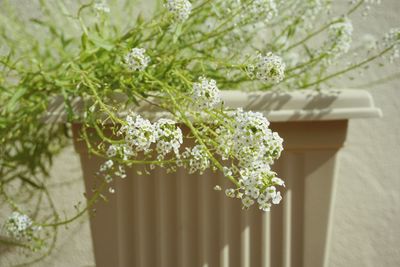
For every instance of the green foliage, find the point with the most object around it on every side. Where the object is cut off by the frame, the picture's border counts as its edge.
(75, 51)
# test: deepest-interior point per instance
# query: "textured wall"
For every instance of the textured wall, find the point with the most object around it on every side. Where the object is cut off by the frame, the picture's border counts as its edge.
(367, 212)
(366, 218)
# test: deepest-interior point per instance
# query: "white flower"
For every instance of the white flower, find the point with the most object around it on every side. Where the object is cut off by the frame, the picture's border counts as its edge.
(230, 192)
(269, 68)
(247, 202)
(263, 198)
(121, 149)
(198, 159)
(253, 142)
(392, 38)
(139, 133)
(340, 37)
(137, 60)
(108, 178)
(265, 206)
(112, 151)
(106, 165)
(253, 192)
(227, 171)
(127, 151)
(102, 7)
(252, 10)
(277, 198)
(18, 226)
(180, 9)
(169, 137)
(246, 137)
(263, 8)
(225, 142)
(206, 93)
(217, 188)
(270, 192)
(278, 181)
(121, 172)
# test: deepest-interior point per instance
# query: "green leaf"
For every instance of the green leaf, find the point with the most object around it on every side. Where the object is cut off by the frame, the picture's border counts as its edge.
(68, 106)
(52, 29)
(177, 33)
(84, 41)
(139, 19)
(17, 95)
(100, 42)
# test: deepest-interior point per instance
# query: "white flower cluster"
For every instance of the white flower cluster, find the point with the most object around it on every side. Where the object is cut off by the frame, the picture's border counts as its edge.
(137, 60)
(250, 10)
(340, 37)
(224, 139)
(180, 9)
(260, 185)
(253, 142)
(169, 138)
(124, 150)
(205, 93)
(108, 168)
(198, 159)
(140, 134)
(392, 38)
(265, 8)
(269, 68)
(311, 10)
(255, 147)
(102, 7)
(19, 226)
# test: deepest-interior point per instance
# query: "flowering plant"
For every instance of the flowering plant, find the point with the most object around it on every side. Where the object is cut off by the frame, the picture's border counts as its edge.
(176, 59)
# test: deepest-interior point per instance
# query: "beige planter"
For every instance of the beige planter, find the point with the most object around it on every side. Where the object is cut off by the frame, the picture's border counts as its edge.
(178, 220)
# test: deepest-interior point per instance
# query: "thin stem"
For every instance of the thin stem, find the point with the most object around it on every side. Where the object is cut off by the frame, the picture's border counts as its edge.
(355, 66)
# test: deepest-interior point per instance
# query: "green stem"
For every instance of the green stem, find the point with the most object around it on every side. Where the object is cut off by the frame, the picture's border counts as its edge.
(355, 66)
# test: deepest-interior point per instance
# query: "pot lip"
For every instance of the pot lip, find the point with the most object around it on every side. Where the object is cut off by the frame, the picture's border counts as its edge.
(306, 105)
(277, 105)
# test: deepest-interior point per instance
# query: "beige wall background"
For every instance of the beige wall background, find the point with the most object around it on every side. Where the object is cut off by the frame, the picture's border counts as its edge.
(366, 218)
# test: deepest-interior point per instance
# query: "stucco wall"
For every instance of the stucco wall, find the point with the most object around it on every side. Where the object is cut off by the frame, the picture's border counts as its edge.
(366, 219)
(367, 206)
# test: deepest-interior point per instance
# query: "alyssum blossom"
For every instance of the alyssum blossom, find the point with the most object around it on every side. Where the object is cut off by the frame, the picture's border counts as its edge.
(206, 93)
(253, 140)
(180, 9)
(19, 226)
(392, 38)
(169, 138)
(340, 37)
(136, 59)
(269, 68)
(102, 7)
(255, 147)
(140, 134)
(255, 10)
(265, 8)
(198, 159)
(260, 185)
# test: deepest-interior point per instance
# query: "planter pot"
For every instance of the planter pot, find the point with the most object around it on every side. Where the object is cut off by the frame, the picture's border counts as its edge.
(179, 220)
